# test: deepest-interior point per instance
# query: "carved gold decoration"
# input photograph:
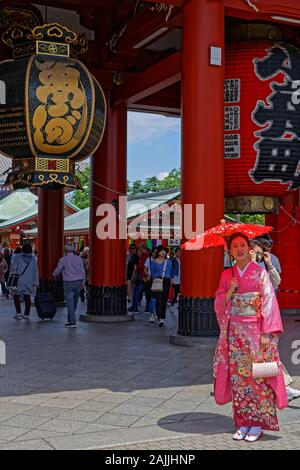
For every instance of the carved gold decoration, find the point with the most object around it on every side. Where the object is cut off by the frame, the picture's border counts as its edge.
(52, 34)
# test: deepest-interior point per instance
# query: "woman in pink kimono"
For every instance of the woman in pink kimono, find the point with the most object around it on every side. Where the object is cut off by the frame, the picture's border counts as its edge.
(250, 326)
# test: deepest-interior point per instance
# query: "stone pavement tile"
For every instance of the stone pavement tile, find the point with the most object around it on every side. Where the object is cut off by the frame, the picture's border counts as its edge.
(16, 408)
(5, 399)
(62, 403)
(78, 395)
(38, 434)
(94, 428)
(162, 392)
(80, 415)
(8, 433)
(180, 405)
(125, 409)
(25, 421)
(27, 445)
(152, 420)
(45, 411)
(30, 399)
(96, 406)
(162, 413)
(61, 425)
(106, 439)
(112, 397)
(116, 419)
(151, 402)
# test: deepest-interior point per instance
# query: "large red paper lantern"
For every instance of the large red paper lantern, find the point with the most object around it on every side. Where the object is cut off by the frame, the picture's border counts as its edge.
(262, 118)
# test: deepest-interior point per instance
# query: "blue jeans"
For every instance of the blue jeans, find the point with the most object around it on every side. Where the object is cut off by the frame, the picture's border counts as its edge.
(72, 291)
(139, 287)
(152, 306)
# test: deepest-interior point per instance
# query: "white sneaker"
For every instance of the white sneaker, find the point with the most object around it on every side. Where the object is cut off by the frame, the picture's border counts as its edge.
(26, 317)
(292, 393)
(18, 316)
(161, 323)
(152, 319)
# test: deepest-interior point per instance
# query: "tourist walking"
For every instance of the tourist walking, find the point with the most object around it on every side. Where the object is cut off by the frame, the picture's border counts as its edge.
(3, 270)
(25, 266)
(84, 255)
(131, 262)
(161, 274)
(72, 269)
(176, 277)
(140, 278)
(250, 324)
(7, 254)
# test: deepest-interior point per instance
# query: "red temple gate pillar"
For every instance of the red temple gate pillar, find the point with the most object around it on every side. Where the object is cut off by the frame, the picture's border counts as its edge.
(107, 297)
(202, 157)
(50, 239)
(286, 237)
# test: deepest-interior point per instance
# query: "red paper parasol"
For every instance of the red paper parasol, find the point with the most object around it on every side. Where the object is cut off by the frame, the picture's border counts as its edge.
(217, 235)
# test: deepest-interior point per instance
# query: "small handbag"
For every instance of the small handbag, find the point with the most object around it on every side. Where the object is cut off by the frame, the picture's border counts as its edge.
(13, 279)
(158, 283)
(265, 369)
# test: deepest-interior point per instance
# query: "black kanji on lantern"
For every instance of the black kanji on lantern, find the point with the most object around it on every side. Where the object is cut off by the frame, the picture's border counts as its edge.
(279, 160)
(278, 154)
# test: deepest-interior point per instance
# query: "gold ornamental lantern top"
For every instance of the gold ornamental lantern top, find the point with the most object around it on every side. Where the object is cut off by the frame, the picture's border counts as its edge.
(50, 39)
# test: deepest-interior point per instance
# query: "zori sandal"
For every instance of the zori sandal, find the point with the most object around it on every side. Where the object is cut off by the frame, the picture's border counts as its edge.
(254, 434)
(240, 434)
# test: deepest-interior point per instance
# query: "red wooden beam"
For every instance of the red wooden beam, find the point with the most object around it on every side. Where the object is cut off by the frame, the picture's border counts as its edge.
(146, 83)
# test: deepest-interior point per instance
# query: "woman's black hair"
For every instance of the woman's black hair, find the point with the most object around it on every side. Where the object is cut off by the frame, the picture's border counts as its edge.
(159, 248)
(256, 241)
(236, 235)
(27, 248)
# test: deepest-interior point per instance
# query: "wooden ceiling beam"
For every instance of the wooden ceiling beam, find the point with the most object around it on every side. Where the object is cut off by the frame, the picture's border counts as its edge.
(150, 81)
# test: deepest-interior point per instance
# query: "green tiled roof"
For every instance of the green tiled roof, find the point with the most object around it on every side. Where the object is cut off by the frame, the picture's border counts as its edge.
(16, 203)
(19, 206)
(23, 216)
(136, 205)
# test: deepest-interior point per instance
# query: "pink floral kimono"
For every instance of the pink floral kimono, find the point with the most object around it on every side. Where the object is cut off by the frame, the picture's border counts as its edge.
(254, 401)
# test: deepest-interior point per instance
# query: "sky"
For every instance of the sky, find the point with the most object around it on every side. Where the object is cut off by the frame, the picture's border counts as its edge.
(154, 145)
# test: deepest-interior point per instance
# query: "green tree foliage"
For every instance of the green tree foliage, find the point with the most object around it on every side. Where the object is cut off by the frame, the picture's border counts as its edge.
(153, 184)
(258, 219)
(81, 197)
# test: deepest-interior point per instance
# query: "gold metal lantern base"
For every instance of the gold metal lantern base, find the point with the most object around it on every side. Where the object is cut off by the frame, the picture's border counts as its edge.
(42, 172)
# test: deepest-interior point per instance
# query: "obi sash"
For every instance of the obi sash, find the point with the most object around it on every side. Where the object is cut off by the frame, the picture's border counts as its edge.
(246, 305)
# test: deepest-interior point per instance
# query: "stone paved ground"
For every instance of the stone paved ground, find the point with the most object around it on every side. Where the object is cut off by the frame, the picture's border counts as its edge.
(118, 386)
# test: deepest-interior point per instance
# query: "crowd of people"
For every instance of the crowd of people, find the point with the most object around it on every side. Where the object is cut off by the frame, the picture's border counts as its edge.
(19, 277)
(155, 273)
